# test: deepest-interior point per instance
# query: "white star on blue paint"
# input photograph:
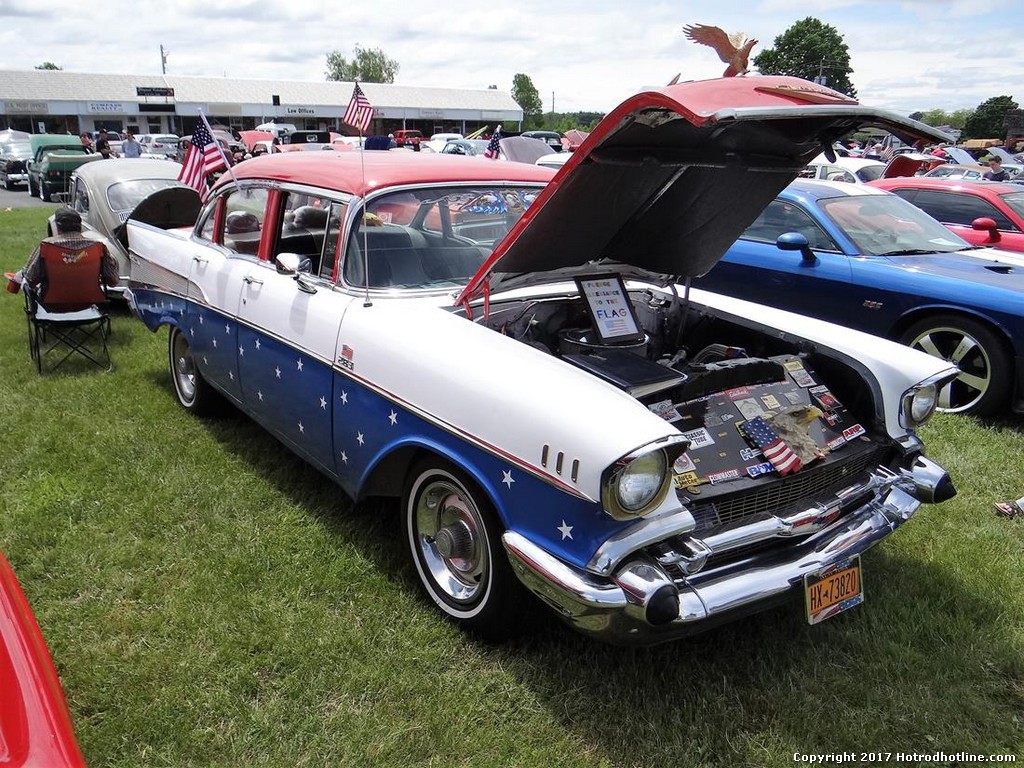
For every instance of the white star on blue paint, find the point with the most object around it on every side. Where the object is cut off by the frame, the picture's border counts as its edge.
(506, 478)
(299, 361)
(259, 394)
(393, 418)
(257, 343)
(191, 331)
(323, 403)
(214, 343)
(231, 375)
(359, 437)
(344, 458)
(200, 319)
(277, 370)
(344, 397)
(565, 530)
(227, 328)
(302, 429)
(241, 351)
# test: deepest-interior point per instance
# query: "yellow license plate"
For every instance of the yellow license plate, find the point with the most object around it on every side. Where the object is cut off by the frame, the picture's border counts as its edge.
(833, 590)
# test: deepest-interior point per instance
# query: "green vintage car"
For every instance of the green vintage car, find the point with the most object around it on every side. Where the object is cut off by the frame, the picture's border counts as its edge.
(54, 157)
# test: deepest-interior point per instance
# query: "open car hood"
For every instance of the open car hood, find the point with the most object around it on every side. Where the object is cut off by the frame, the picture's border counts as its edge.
(670, 178)
(909, 164)
(167, 208)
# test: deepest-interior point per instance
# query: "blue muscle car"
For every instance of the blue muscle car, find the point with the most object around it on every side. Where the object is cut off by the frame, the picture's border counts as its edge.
(871, 261)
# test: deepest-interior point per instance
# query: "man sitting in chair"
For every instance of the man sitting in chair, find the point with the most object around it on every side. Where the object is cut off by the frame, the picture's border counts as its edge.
(69, 236)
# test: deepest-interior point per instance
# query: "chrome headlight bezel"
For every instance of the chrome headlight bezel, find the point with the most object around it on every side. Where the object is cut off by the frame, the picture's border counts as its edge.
(919, 402)
(650, 465)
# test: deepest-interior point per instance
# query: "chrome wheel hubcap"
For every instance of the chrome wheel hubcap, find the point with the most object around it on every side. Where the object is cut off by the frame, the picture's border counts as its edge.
(450, 540)
(962, 350)
(184, 369)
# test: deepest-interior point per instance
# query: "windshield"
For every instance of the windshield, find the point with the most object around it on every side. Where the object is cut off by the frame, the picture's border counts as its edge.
(870, 172)
(125, 195)
(1015, 201)
(882, 225)
(432, 238)
(953, 171)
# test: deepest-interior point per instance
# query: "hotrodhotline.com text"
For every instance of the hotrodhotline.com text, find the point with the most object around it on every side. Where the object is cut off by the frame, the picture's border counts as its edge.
(915, 758)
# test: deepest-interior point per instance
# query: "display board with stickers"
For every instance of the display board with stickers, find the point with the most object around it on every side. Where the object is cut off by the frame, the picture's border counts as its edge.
(767, 429)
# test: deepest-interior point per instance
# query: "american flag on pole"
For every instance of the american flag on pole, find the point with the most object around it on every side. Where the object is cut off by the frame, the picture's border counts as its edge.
(888, 151)
(204, 156)
(360, 111)
(494, 145)
(772, 446)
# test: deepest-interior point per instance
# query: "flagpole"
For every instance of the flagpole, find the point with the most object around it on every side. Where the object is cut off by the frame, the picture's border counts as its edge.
(365, 223)
(220, 149)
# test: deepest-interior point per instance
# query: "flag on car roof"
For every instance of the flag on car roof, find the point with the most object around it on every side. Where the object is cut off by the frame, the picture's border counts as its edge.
(204, 156)
(772, 446)
(494, 144)
(360, 111)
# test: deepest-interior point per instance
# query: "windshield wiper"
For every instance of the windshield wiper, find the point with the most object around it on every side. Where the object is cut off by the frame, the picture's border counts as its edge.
(910, 252)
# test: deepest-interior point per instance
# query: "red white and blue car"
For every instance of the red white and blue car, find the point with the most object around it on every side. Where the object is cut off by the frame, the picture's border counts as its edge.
(516, 356)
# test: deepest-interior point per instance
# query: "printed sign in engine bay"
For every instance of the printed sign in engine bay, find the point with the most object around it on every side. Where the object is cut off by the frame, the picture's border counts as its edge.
(774, 428)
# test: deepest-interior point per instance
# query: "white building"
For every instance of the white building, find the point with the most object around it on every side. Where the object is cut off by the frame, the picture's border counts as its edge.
(75, 102)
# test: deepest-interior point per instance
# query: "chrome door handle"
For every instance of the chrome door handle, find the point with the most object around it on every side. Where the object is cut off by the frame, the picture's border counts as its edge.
(199, 260)
(249, 279)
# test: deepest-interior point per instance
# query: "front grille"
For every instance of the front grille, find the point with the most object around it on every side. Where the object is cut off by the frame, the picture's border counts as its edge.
(786, 493)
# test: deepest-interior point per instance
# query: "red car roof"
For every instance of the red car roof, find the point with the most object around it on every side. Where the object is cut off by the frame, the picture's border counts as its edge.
(363, 172)
(990, 189)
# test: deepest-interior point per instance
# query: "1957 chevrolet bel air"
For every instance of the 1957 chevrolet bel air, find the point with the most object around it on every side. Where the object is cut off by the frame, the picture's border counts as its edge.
(517, 355)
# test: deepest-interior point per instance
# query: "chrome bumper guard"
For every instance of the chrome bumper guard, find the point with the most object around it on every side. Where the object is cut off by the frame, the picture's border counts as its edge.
(640, 603)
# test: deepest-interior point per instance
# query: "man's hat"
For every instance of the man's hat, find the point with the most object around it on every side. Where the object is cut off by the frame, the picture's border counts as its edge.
(68, 219)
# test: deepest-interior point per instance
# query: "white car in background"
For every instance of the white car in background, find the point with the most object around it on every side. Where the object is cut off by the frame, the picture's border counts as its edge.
(854, 170)
(555, 160)
(159, 144)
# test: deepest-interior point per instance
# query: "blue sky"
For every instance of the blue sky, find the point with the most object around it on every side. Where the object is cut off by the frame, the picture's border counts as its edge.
(581, 55)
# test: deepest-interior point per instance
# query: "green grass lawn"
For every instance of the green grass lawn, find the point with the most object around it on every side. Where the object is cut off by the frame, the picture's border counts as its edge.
(209, 600)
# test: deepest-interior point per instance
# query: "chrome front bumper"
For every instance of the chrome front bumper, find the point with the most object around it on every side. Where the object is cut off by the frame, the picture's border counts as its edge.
(641, 603)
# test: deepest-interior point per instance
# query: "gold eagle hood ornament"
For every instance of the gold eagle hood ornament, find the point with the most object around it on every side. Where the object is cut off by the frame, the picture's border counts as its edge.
(734, 50)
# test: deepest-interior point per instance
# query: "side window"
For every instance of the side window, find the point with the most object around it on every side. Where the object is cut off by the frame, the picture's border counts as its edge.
(836, 173)
(208, 217)
(780, 217)
(244, 212)
(81, 197)
(958, 209)
(309, 228)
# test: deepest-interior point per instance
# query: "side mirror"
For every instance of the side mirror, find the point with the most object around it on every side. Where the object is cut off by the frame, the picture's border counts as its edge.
(287, 263)
(292, 264)
(795, 241)
(985, 224)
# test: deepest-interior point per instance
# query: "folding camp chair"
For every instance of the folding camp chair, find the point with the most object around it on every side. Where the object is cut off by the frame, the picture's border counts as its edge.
(69, 316)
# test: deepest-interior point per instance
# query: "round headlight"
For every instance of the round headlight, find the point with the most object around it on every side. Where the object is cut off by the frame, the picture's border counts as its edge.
(641, 481)
(920, 403)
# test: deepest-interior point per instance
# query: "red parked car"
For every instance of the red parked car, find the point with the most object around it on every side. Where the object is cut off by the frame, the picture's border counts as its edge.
(35, 725)
(981, 212)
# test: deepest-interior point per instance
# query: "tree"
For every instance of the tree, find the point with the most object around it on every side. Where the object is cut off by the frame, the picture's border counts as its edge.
(368, 65)
(989, 119)
(939, 117)
(809, 49)
(48, 65)
(527, 97)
